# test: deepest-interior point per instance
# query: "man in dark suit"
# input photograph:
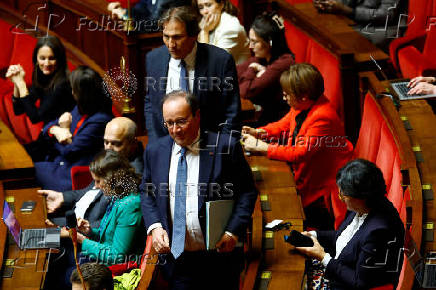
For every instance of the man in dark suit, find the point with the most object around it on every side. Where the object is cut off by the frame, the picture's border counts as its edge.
(206, 71)
(198, 168)
(90, 203)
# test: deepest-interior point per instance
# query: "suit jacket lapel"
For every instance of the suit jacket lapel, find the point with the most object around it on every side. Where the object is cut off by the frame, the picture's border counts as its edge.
(163, 169)
(200, 68)
(207, 156)
(162, 70)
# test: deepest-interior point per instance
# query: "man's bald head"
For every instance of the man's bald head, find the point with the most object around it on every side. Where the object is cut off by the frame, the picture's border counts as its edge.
(119, 135)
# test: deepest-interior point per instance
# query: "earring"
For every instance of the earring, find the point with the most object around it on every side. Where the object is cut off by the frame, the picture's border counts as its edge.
(270, 43)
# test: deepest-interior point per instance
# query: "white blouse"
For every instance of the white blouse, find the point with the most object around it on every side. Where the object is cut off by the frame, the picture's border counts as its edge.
(231, 36)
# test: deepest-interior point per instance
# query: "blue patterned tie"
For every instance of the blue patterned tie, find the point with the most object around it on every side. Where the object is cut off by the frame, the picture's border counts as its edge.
(179, 225)
(184, 85)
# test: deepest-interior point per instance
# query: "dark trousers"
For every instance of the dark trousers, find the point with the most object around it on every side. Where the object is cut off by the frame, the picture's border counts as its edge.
(204, 270)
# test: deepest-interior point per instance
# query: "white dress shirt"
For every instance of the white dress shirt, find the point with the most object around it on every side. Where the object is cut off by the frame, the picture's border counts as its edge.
(83, 203)
(194, 240)
(346, 235)
(173, 80)
(230, 35)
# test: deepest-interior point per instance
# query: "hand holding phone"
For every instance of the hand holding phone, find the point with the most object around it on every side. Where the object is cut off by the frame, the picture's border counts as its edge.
(298, 240)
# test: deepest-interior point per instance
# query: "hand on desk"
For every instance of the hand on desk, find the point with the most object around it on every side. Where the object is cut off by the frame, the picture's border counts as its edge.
(160, 240)
(413, 82)
(422, 88)
(317, 251)
(252, 144)
(257, 133)
(54, 199)
(226, 244)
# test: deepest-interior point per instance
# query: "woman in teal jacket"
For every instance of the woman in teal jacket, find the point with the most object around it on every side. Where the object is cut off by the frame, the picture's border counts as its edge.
(121, 235)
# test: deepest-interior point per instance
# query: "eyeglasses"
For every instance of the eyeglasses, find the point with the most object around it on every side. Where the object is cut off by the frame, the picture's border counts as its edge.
(179, 123)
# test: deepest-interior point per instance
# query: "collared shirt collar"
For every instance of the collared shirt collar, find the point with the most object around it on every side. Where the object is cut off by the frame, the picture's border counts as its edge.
(189, 59)
(193, 148)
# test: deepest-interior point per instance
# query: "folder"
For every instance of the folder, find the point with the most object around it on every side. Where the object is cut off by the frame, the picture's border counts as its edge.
(218, 213)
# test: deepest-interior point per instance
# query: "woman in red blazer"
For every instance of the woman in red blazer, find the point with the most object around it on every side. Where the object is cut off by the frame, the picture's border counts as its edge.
(310, 137)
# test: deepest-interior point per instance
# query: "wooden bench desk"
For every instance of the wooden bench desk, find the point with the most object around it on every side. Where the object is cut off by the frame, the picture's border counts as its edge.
(16, 186)
(283, 265)
(29, 266)
(14, 161)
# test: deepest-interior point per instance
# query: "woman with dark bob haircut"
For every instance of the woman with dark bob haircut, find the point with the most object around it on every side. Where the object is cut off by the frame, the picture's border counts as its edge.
(75, 137)
(311, 138)
(121, 234)
(365, 252)
(50, 84)
(259, 76)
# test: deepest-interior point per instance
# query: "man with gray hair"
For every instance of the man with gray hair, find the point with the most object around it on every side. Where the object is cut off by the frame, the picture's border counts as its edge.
(90, 203)
(206, 71)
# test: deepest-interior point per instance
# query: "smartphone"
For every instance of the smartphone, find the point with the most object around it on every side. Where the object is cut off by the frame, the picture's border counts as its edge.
(299, 240)
(28, 206)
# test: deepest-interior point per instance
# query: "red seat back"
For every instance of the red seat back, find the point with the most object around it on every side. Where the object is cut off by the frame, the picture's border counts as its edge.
(369, 135)
(328, 65)
(80, 177)
(22, 54)
(7, 38)
(377, 144)
(297, 41)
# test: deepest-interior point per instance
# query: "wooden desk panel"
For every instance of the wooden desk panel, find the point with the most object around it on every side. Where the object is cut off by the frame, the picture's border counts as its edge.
(280, 280)
(284, 257)
(29, 265)
(14, 161)
(334, 31)
(285, 204)
(275, 174)
(286, 265)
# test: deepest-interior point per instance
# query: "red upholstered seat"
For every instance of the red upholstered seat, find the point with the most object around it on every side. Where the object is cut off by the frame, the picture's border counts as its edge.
(369, 135)
(377, 144)
(418, 61)
(328, 65)
(308, 50)
(22, 54)
(80, 177)
(7, 38)
(297, 41)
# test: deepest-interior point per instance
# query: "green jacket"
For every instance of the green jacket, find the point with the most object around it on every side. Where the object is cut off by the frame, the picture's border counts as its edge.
(121, 235)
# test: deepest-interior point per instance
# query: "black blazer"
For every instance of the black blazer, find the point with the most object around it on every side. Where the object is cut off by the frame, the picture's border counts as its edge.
(373, 257)
(221, 162)
(215, 84)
